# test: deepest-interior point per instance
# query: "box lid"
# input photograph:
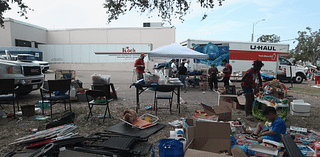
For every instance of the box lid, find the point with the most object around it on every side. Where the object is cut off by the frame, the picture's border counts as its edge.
(193, 153)
(224, 107)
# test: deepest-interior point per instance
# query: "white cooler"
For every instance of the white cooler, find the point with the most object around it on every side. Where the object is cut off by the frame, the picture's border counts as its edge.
(300, 108)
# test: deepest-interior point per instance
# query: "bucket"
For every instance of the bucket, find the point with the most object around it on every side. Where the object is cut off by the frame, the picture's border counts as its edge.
(28, 110)
(44, 104)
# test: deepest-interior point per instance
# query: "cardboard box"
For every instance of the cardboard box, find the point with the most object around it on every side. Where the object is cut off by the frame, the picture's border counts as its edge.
(224, 110)
(238, 101)
(209, 136)
(199, 153)
(203, 86)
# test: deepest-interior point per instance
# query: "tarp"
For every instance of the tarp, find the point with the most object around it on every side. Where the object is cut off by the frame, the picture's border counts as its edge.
(177, 51)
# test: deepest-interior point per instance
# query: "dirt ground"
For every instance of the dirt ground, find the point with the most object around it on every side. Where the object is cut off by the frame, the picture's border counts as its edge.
(11, 129)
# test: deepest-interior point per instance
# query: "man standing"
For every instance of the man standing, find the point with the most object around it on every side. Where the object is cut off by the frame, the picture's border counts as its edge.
(227, 72)
(183, 72)
(139, 64)
(174, 68)
(213, 71)
(248, 83)
(187, 65)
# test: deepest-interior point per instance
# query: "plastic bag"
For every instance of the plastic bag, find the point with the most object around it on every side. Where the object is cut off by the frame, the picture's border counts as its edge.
(100, 79)
(169, 148)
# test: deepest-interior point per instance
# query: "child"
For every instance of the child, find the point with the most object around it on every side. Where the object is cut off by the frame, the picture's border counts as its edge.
(277, 127)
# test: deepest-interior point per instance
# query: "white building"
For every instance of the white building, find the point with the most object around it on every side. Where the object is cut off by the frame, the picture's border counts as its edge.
(99, 47)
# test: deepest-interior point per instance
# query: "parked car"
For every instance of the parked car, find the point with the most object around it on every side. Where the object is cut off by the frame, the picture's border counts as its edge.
(30, 58)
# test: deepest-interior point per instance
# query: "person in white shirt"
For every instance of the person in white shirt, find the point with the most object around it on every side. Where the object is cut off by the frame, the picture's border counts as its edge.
(174, 66)
(187, 65)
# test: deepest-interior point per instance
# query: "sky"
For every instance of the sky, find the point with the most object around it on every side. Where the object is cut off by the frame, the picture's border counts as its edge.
(233, 21)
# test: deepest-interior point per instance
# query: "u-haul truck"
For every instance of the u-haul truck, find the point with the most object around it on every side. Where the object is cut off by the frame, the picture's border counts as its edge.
(242, 54)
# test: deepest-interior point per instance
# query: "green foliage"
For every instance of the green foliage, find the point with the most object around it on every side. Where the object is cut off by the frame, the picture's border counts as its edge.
(269, 38)
(167, 9)
(308, 48)
(5, 5)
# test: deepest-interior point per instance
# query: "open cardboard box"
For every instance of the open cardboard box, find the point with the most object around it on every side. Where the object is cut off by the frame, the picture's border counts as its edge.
(238, 102)
(209, 136)
(224, 110)
(210, 139)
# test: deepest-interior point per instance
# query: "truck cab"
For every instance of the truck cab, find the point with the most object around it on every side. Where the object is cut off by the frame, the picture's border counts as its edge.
(298, 73)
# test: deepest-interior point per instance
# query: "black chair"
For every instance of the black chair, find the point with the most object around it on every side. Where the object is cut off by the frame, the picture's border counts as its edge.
(8, 93)
(56, 91)
(159, 94)
(95, 97)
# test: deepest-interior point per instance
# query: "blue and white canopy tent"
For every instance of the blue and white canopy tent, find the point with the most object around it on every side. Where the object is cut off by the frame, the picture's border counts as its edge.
(177, 51)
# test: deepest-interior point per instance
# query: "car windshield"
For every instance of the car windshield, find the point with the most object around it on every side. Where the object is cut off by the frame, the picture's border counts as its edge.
(26, 57)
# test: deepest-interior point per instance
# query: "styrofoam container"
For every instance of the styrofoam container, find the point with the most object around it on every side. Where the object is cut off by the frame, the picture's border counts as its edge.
(300, 108)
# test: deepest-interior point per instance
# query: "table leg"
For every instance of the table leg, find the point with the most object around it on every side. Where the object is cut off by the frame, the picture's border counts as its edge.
(178, 99)
(114, 91)
(137, 99)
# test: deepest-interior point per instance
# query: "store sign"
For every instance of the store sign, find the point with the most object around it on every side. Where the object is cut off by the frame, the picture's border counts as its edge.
(261, 47)
(128, 50)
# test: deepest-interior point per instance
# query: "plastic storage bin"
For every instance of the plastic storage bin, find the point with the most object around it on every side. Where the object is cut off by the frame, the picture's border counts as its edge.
(65, 74)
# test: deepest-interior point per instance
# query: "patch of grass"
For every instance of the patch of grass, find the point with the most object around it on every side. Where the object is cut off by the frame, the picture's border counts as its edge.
(309, 91)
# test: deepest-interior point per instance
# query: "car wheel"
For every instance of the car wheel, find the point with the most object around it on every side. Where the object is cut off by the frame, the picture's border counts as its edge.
(220, 78)
(298, 78)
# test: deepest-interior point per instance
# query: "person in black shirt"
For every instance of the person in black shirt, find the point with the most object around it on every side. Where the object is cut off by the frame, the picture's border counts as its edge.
(183, 72)
(213, 71)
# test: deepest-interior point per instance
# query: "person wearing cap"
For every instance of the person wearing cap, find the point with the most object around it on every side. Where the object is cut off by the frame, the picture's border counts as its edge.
(140, 66)
(248, 84)
(227, 72)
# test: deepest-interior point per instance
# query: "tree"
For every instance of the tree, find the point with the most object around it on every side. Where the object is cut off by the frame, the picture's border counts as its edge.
(308, 48)
(269, 38)
(5, 5)
(166, 8)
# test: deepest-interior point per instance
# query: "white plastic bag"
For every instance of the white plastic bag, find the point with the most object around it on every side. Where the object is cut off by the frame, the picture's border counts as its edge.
(100, 79)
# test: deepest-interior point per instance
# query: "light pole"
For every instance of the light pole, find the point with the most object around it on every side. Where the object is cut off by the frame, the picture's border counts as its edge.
(252, 37)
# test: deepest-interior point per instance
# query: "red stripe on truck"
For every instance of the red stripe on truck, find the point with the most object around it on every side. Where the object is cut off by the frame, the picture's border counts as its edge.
(254, 55)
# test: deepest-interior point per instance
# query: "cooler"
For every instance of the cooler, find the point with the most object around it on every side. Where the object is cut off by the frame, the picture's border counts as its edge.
(300, 108)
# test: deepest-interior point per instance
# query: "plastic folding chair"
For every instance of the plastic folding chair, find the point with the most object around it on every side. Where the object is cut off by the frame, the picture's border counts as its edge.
(98, 97)
(56, 91)
(159, 94)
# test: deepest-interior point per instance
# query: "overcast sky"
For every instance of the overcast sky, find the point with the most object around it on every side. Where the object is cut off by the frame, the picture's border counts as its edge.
(233, 21)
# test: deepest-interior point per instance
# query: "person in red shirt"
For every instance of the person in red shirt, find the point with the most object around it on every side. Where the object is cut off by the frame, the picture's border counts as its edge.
(227, 72)
(139, 64)
(248, 84)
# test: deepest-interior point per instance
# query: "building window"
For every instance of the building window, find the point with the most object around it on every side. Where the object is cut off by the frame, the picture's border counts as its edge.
(146, 24)
(22, 43)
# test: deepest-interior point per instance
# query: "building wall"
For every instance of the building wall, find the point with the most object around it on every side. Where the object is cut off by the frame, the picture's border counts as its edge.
(5, 35)
(15, 29)
(28, 32)
(157, 36)
(93, 53)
